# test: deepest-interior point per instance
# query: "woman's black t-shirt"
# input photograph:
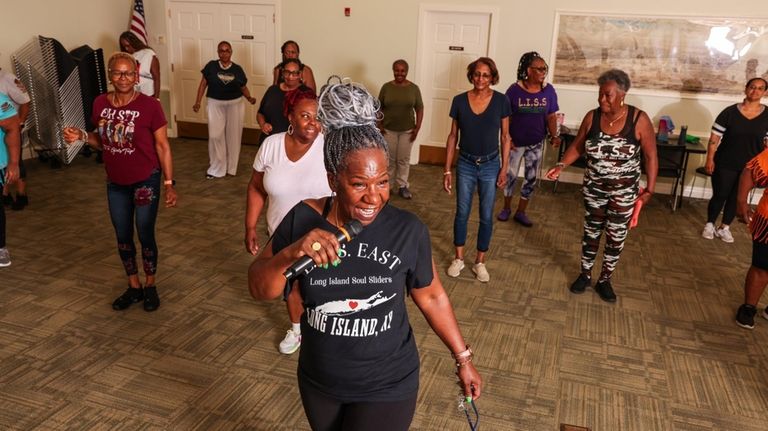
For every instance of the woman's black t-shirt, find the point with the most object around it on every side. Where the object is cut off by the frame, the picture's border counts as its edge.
(357, 343)
(742, 138)
(224, 84)
(271, 108)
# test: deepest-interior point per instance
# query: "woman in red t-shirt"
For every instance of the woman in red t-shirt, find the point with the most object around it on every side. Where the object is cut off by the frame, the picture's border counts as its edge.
(132, 133)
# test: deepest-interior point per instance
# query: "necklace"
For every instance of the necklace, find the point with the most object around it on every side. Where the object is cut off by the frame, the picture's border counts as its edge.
(610, 123)
(114, 98)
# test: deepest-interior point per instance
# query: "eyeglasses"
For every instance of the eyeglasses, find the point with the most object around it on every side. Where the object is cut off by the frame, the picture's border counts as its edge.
(119, 74)
(291, 72)
(481, 75)
(755, 87)
(543, 69)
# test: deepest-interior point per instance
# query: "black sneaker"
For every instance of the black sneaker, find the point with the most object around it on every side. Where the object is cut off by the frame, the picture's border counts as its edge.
(7, 200)
(151, 300)
(605, 291)
(581, 284)
(131, 296)
(745, 317)
(20, 202)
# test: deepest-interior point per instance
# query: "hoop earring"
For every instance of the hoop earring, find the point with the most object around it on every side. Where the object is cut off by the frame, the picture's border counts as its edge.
(290, 129)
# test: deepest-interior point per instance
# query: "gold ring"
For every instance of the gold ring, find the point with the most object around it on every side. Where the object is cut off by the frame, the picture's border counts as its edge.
(316, 246)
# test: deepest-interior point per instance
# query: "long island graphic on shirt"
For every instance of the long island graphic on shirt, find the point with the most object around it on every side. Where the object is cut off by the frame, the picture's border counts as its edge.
(116, 127)
(337, 317)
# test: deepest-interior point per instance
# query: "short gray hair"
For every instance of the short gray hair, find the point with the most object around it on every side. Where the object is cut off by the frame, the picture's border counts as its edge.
(616, 75)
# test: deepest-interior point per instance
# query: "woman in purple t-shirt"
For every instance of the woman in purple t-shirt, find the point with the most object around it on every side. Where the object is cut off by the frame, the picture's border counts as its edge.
(534, 112)
(132, 133)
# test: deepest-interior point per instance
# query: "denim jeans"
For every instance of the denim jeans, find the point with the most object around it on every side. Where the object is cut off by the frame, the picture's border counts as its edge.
(469, 176)
(140, 200)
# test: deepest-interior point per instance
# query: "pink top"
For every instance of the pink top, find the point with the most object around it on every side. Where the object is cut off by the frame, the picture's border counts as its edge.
(127, 136)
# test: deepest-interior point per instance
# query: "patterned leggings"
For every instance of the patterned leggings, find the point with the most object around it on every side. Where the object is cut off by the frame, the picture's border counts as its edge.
(608, 207)
(531, 155)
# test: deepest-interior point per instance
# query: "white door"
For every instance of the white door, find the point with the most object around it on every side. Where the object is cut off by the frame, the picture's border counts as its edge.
(195, 30)
(449, 42)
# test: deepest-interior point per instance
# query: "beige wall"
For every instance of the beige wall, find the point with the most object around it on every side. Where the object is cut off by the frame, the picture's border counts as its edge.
(72, 22)
(364, 45)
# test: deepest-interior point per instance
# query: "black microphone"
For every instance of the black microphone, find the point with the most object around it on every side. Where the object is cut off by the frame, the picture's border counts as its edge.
(304, 265)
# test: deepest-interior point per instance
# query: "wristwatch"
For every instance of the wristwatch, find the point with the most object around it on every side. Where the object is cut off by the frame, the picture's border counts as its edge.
(169, 182)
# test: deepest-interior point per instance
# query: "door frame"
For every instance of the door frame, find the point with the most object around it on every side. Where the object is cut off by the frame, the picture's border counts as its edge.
(171, 40)
(427, 153)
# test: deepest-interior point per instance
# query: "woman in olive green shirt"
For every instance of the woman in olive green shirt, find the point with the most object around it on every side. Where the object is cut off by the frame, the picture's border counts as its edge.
(400, 100)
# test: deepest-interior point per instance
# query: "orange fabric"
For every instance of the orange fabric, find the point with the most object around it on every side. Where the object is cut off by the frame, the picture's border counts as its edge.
(759, 224)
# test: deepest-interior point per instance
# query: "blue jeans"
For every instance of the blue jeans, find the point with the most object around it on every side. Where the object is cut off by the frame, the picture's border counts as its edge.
(469, 176)
(140, 200)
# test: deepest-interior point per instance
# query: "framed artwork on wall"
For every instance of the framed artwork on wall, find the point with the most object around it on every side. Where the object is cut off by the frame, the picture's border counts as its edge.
(711, 56)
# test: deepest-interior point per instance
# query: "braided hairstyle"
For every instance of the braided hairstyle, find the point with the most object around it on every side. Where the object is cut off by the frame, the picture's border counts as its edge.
(349, 114)
(525, 62)
(133, 40)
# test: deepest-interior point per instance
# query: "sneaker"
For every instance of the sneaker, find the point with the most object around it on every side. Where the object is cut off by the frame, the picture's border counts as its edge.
(5, 257)
(20, 202)
(151, 300)
(745, 317)
(290, 343)
(7, 200)
(504, 214)
(581, 284)
(131, 296)
(724, 233)
(605, 291)
(481, 273)
(523, 219)
(405, 193)
(709, 231)
(209, 177)
(455, 269)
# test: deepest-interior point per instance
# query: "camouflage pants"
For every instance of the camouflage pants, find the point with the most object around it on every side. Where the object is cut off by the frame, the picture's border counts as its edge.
(608, 206)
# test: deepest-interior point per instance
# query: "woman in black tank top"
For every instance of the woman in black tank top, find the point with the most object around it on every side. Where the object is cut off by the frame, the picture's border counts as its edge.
(612, 136)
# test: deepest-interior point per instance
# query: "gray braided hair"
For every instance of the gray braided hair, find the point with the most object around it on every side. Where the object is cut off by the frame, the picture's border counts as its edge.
(349, 114)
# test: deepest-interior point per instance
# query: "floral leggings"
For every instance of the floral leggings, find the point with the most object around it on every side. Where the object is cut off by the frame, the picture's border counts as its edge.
(608, 206)
(140, 200)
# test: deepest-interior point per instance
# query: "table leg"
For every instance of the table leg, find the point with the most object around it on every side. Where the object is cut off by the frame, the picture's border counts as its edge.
(682, 180)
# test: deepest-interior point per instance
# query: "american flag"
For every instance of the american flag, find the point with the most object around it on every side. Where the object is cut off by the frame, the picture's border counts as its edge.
(138, 25)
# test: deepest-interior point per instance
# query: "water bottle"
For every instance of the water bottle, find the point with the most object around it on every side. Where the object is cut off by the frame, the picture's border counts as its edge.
(663, 135)
(683, 133)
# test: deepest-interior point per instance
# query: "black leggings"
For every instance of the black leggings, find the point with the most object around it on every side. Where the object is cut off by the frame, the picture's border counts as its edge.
(2, 211)
(2, 225)
(725, 185)
(328, 414)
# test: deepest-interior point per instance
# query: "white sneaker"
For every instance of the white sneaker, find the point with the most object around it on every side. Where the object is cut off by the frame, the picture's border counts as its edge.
(455, 269)
(290, 343)
(480, 272)
(5, 257)
(709, 231)
(724, 233)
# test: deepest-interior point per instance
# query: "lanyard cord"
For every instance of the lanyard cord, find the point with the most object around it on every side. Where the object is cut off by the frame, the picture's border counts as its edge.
(472, 426)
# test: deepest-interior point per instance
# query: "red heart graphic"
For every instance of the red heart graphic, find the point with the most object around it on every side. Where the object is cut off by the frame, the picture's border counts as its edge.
(353, 304)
